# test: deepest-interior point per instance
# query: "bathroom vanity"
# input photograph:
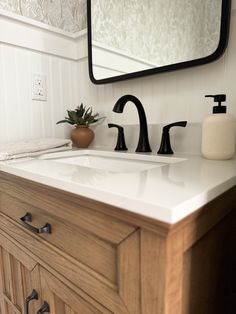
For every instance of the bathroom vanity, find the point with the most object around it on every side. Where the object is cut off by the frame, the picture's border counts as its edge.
(131, 234)
(83, 255)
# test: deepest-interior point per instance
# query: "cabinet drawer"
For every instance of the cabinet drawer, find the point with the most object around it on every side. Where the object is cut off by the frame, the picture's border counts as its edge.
(82, 212)
(91, 250)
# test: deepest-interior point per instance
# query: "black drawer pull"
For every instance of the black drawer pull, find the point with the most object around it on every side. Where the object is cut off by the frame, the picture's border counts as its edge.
(32, 296)
(47, 228)
(45, 308)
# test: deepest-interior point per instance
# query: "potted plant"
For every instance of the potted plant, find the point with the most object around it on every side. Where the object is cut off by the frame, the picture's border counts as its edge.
(81, 118)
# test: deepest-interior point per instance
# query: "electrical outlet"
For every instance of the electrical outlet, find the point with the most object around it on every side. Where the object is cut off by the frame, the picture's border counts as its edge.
(39, 87)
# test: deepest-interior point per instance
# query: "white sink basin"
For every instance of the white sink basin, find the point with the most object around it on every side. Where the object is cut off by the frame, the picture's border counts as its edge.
(111, 161)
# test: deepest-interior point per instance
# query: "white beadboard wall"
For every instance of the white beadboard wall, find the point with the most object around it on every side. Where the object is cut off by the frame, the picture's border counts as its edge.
(20, 116)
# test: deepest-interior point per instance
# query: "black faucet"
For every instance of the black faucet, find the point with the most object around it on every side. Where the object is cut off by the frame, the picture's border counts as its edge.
(143, 143)
(165, 147)
(120, 145)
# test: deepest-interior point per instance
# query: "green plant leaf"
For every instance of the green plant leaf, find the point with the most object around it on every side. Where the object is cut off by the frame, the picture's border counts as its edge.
(65, 121)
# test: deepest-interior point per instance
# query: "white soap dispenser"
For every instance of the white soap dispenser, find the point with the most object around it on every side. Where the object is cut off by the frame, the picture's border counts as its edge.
(218, 132)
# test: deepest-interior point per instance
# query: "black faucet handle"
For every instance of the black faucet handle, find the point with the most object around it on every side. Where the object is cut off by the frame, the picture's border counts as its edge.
(120, 145)
(171, 125)
(165, 147)
(113, 125)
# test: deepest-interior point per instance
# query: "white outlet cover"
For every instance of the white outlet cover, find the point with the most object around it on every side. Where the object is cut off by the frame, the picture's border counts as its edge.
(39, 87)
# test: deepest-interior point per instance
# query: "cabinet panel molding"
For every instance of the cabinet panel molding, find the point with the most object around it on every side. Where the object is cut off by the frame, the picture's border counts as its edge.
(17, 279)
(129, 272)
(63, 300)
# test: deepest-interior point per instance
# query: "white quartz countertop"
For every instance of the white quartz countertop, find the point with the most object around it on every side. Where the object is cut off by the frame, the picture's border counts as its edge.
(166, 193)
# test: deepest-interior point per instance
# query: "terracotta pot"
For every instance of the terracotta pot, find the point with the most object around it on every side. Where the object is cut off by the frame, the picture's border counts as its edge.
(82, 136)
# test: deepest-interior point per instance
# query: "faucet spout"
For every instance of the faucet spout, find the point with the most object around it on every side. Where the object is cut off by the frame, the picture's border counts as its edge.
(143, 142)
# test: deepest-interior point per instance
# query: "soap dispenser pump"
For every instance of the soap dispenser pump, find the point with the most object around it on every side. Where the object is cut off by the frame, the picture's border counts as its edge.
(218, 132)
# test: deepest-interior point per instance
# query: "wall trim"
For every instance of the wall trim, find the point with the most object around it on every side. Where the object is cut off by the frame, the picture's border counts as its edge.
(38, 24)
(41, 37)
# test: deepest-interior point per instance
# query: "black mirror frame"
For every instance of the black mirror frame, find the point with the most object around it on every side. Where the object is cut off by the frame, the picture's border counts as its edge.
(224, 36)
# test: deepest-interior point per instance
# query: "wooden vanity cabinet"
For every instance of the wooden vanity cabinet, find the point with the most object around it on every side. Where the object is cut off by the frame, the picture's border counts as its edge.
(101, 259)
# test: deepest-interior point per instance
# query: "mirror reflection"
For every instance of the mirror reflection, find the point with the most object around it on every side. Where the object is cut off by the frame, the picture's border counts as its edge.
(131, 35)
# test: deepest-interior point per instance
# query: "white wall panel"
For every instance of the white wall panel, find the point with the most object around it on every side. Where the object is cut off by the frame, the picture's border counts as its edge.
(20, 116)
(234, 4)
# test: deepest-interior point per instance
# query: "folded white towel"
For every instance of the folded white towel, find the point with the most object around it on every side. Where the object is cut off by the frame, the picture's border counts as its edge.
(32, 148)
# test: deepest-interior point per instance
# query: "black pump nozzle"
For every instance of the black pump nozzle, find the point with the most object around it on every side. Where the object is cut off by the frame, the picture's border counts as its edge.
(218, 98)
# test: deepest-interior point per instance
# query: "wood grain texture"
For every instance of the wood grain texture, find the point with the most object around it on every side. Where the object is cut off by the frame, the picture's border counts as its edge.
(174, 274)
(129, 273)
(2, 286)
(152, 273)
(13, 249)
(62, 299)
(17, 281)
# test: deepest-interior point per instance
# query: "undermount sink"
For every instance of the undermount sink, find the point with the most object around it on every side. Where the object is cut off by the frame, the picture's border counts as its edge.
(111, 161)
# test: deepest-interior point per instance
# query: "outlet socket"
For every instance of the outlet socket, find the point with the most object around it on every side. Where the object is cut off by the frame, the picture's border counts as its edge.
(39, 87)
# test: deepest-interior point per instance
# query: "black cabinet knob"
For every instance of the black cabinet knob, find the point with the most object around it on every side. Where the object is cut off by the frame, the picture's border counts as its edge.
(45, 308)
(32, 296)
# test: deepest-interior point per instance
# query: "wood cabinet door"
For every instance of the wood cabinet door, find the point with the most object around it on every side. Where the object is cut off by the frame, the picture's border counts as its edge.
(19, 276)
(63, 300)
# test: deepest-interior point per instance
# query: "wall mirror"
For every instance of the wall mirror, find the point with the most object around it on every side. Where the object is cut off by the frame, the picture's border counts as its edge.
(132, 38)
